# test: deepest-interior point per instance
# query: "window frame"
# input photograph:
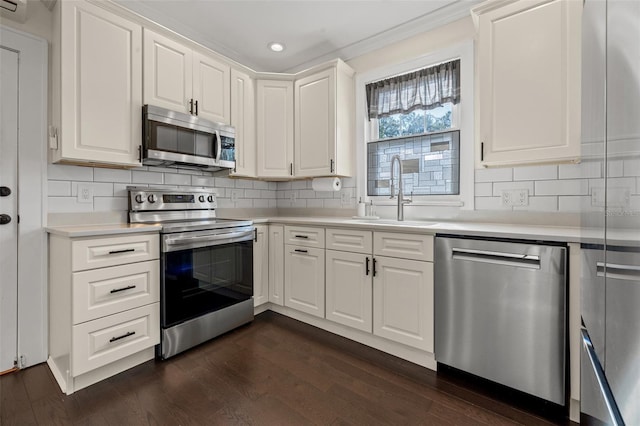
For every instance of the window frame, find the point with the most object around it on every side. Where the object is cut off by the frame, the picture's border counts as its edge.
(465, 123)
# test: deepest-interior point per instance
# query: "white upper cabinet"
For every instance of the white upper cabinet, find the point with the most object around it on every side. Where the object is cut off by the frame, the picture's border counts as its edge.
(274, 126)
(324, 131)
(243, 118)
(183, 80)
(529, 81)
(97, 96)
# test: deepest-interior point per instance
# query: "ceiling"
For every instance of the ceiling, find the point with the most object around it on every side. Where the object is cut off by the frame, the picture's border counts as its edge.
(312, 31)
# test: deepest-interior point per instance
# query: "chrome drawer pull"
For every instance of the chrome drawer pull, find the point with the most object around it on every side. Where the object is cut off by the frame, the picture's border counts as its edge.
(130, 333)
(121, 251)
(116, 290)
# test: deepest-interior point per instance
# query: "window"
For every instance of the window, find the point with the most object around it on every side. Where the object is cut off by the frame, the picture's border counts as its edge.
(414, 115)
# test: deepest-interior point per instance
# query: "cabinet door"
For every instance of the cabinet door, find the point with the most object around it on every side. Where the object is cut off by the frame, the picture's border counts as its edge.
(349, 293)
(304, 279)
(275, 128)
(276, 264)
(403, 301)
(261, 266)
(315, 124)
(101, 94)
(211, 88)
(243, 118)
(529, 82)
(168, 73)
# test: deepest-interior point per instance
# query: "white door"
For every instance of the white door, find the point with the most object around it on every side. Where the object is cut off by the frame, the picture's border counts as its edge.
(8, 208)
(304, 279)
(261, 266)
(211, 88)
(274, 127)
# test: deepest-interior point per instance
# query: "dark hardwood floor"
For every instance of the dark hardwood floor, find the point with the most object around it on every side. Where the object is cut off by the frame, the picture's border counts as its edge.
(275, 371)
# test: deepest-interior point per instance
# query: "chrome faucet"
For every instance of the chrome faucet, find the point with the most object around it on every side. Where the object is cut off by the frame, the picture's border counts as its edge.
(401, 200)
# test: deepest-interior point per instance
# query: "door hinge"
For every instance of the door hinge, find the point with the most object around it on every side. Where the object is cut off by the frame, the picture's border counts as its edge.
(20, 362)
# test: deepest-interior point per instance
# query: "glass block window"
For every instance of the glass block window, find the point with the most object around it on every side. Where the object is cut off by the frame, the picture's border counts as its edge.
(431, 164)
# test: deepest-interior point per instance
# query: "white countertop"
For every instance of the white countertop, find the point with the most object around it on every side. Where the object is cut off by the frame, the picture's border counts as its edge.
(100, 229)
(478, 229)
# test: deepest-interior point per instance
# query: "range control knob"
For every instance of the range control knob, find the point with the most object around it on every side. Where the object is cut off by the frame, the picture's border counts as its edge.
(201, 198)
(139, 198)
(210, 198)
(152, 198)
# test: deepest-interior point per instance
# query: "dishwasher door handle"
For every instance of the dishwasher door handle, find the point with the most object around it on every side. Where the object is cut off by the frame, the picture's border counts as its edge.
(530, 261)
(621, 272)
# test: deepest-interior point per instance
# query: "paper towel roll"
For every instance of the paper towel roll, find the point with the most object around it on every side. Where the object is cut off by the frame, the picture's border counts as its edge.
(326, 184)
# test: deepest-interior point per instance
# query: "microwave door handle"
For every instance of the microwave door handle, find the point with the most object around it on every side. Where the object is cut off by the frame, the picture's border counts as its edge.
(218, 146)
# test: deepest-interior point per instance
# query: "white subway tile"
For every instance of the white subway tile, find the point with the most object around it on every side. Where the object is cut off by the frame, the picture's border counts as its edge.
(283, 203)
(100, 189)
(120, 190)
(562, 187)
(66, 172)
(139, 177)
(267, 194)
(190, 172)
(260, 203)
(333, 203)
(574, 203)
(159, 169)
(252, 193)
(218, 192)
(273, 203)
(259, 184)
(244, 203)
(67, 205)
(484, 189)
(535, 173)
(101, 204)
(225, 203)
(203, 181)
(307, 193)
(315, 204)
(326, 194)
(273, 186)
(176, 179)
(588, 169)
(628, 182)
(111, 175)
(540, 204)
(632, 167)
(494, 175)
(225, 182)
(490, 203)
(59, 188)
(615, 168)
(239, 192)
(348, 182)
(299, 184)
(244, 183)
(498, 187)
(283, 186)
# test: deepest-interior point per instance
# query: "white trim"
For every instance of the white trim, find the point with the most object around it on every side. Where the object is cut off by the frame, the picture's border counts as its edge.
(464, 51)
(32, 181)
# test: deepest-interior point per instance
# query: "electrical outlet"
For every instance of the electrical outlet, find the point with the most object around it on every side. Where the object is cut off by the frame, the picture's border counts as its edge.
(292, 197)
(515, 197)
(235, 194)
(85, 193)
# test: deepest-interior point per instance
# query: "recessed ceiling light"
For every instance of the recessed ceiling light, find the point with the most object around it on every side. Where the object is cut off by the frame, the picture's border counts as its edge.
(276, 47)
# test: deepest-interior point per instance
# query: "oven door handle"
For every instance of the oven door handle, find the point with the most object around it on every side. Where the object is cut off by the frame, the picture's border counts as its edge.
(213, 239)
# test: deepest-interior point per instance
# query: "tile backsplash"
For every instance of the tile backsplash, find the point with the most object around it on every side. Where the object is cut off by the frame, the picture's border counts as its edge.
(109, 189)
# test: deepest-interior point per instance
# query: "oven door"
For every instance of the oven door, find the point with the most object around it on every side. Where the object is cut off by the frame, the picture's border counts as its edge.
(205, 271)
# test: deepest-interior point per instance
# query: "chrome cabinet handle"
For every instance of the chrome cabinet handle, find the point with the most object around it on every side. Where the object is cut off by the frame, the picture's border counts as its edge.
(499, 258)
(121, 251)
(366, 267)
(117, 290)
(614, 270)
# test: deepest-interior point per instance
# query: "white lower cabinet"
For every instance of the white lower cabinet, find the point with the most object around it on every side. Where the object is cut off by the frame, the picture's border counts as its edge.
(304, 279)
(403, 301)
(261, 266)
(104, 310)
(349, 293)
(276, 264)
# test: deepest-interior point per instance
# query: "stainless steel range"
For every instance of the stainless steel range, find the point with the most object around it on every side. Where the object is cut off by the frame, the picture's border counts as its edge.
(206, 265)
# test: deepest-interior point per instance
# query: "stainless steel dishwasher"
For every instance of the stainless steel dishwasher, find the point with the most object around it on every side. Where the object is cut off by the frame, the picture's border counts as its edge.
(500, 312)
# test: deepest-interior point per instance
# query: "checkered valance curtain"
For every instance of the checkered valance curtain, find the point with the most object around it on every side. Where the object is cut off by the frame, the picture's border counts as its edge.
(424, 89)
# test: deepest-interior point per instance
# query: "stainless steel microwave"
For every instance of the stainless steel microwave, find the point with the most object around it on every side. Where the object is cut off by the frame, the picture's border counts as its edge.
(173, 138)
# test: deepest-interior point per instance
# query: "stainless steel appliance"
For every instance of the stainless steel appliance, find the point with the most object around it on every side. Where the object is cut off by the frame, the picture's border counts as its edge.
(172, 138)
(206, 285)
(610, 277)
(500, 312)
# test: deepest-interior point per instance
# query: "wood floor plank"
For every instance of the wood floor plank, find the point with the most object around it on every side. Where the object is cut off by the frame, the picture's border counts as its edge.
(275, 371)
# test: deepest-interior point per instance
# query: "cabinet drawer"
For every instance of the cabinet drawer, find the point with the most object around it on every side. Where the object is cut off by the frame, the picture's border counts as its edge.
(350, 240)
(99, 342)
(101, 292)
(404, 246)
(112, 251)
(304, 236)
